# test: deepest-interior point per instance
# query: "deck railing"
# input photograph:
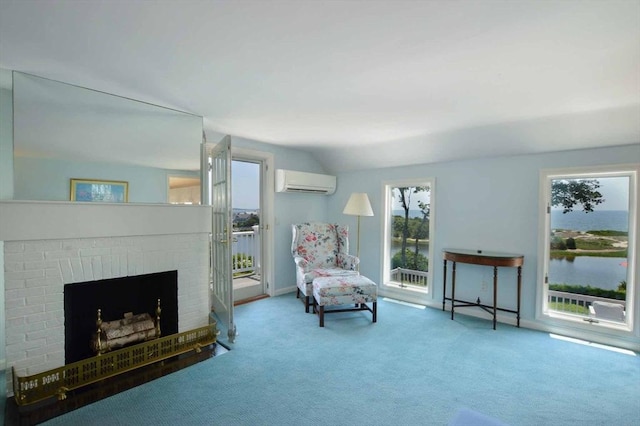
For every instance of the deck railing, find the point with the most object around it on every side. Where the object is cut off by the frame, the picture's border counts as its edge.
(246, 251)
(567, 302)
(409, 277)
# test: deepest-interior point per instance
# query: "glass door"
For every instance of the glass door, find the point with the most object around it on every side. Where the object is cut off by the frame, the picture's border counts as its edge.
(218, 158)
(246, 253)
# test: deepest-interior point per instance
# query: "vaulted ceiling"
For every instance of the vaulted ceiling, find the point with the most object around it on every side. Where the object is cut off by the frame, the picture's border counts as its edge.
(358, 83)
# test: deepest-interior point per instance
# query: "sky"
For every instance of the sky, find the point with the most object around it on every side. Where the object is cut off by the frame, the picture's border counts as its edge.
(615, 191)
(245, 185)
(423, 196)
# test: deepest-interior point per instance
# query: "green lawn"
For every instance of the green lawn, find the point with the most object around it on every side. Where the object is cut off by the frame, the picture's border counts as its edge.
(569, 307)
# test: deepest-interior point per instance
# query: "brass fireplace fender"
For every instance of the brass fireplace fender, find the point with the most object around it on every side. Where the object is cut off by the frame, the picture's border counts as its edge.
(59, 381)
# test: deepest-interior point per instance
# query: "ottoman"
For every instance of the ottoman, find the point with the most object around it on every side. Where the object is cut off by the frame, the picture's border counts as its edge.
(344, 290)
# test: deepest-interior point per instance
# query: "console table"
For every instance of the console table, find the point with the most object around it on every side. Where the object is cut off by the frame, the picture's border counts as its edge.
(486, 258)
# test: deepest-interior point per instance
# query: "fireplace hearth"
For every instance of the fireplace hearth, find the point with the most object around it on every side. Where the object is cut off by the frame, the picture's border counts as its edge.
(115, 297)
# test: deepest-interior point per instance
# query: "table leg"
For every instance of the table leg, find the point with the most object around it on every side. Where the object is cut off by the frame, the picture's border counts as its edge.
(519, 291)
(453, 288)
(444, 284)
(495, 295)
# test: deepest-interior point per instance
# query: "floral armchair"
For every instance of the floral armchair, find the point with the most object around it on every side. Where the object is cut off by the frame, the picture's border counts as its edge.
(320, 250)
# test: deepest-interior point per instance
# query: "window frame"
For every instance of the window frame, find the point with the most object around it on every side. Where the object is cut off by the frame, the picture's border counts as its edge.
(390, 288)
(631, 171)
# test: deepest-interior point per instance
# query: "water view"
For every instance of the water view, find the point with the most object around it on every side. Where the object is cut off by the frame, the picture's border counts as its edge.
(602, 272)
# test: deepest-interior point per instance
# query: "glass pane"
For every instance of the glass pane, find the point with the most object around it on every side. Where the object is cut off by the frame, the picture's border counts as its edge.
(409, 214)
(588, 253)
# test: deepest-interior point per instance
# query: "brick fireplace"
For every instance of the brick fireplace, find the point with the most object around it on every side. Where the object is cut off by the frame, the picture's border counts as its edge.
(135, 240)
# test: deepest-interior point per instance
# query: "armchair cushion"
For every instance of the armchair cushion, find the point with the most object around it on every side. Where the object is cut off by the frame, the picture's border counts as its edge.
(321, 250)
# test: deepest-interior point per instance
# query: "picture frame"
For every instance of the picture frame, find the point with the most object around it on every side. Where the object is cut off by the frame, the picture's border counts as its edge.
(99, 191)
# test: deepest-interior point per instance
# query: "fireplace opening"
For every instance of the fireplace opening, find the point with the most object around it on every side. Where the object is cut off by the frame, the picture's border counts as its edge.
(114, 297)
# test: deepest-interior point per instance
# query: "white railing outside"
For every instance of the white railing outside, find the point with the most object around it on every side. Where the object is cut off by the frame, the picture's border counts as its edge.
(246, 252)
(409, 277)
(564, 301)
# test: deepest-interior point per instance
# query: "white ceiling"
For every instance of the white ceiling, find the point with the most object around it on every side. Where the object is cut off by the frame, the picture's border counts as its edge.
(358, 83)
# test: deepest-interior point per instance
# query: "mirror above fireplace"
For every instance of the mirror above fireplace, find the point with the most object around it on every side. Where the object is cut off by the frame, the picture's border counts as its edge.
(62, 131)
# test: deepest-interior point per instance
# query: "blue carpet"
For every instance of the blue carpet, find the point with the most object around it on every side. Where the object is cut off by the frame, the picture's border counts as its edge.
(414, 367)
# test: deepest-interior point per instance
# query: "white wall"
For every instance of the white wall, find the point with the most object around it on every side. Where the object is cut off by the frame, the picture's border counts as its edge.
(489, 204)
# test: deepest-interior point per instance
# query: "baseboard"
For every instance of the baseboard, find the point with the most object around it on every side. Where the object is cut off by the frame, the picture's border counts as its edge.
(286, 290)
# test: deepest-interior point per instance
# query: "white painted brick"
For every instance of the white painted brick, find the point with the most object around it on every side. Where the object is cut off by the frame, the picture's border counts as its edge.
(23, 275)
(96, 267)
(23, 311)
(87, 269)
(55, 306)
(40, 335)
(90, 252)
(55, 358)
(35, 300)
(117, 250)
(13, 247)
(53, 272)
(14, 322)
(25, 328)
(42, 245)
(101, 258)
(54, 297)
(76, 270)
(55, 345)
(12, 284)
(36, 282)
(135, 263)
(35, 264)
(14, 257)
(26, 345)
(22, 293)
(51, 264)
(41, 317)
(39, 365)
(18, 357)
(77, 244)
(55, 322)
(13, 339)
(106, 267)
(57, 289)
(33, 256)
(61, 254)
(66, 270)
(124, 265)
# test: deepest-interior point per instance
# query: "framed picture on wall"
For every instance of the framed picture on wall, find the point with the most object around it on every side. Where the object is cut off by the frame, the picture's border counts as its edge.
(99, 191)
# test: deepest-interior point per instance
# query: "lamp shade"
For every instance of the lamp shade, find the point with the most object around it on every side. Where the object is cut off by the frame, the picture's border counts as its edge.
(358, 205)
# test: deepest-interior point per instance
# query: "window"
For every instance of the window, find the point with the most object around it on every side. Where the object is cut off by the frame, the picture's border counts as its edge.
(408, 226)
(589, 236)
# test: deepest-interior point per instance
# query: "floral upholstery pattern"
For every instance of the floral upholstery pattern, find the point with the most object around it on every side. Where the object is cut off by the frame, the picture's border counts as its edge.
(320, 250)
(343, 290)
(351, 290)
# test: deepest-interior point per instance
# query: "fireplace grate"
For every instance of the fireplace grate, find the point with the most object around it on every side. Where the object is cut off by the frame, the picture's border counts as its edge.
(59, 381)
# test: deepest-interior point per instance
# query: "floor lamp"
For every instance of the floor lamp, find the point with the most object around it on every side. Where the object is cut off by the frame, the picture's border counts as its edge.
(358, 205)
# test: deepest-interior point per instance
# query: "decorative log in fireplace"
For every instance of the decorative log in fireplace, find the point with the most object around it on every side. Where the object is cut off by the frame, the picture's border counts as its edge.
(114, 296)
(128, 330)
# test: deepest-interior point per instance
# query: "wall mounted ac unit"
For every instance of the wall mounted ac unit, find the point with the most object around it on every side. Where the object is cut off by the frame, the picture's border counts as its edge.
(293, 181)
